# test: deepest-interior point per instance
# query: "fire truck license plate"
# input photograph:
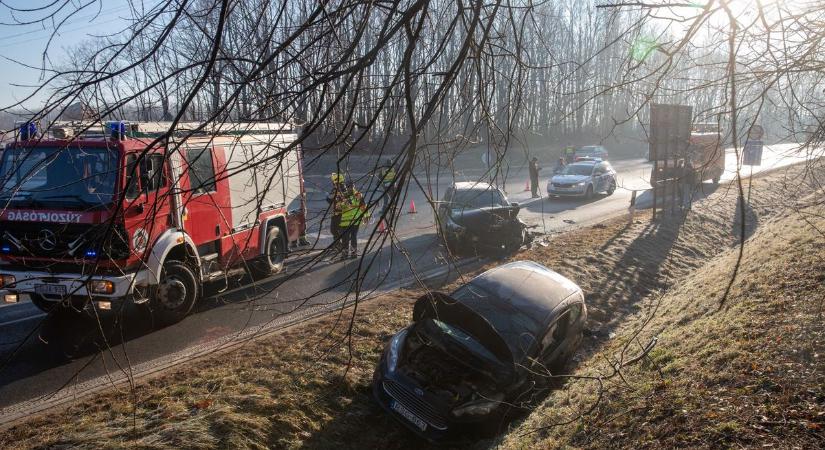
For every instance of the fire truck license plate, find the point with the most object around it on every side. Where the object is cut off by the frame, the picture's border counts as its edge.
(50, 289)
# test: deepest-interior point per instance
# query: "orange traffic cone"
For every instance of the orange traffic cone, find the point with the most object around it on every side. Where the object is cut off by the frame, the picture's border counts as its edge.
(412, 207)
(526, 186)
(382, 228)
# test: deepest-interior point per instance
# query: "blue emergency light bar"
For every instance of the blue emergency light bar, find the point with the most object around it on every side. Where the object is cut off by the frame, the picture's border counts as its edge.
(116, 129)
(28, 130)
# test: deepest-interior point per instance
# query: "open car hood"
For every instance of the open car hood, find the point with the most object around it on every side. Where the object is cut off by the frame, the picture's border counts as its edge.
(484, 217)
(437, 305)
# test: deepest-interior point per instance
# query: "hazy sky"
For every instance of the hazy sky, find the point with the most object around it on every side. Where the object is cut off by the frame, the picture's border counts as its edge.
(25, 43)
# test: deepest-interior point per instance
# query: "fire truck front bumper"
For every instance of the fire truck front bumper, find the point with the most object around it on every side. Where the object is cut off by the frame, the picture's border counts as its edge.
(51, 287)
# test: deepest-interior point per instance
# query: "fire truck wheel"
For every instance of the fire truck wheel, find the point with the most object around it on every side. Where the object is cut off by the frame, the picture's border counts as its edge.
(273, 260)
(176, 293)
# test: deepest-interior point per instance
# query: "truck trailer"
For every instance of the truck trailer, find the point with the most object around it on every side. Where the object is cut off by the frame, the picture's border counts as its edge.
(704, 156)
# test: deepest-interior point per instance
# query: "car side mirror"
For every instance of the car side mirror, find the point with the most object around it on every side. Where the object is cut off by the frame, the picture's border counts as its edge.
(514, 204)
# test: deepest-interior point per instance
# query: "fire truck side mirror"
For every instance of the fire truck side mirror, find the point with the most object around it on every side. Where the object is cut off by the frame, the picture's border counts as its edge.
(135, 209)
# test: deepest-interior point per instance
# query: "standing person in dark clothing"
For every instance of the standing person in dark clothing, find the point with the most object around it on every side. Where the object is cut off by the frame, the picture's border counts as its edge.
(534, 177)
(334, 198)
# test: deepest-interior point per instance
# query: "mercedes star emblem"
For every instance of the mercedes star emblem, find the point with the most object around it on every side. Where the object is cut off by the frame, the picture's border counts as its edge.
(47, 239)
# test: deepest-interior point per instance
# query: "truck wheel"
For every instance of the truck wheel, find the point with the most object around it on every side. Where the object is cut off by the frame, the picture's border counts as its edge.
(716, 180)
(589, 194)
(176, 293)
(272, 261)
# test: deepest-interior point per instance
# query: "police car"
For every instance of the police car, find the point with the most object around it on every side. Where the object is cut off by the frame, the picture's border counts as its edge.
(583, 178)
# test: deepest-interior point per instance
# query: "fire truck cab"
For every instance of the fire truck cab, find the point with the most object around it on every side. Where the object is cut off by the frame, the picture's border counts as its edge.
(136, 213)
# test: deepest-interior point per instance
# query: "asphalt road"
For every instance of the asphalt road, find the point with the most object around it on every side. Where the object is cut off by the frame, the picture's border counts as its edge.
(30, 367)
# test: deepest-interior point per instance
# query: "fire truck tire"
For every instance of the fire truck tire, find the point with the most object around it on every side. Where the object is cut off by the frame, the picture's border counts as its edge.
(272, 261)
(175, 294)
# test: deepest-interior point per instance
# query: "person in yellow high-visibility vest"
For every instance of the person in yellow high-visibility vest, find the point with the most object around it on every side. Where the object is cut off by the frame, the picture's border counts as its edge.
(569, 154)
(334, 197)
(353, 211)
(388, 176)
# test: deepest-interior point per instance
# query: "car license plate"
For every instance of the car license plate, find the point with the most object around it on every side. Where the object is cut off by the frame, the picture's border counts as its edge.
(400, 409)
(50, 289)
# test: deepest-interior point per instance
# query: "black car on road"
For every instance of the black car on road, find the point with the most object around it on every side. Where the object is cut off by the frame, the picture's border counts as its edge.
(477, 216)
(469, 355)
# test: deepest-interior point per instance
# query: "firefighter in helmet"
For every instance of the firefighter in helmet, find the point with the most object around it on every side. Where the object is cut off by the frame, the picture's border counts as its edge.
(353, 211)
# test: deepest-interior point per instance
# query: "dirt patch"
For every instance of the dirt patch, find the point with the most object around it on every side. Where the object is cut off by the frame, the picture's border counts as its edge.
(291, 390)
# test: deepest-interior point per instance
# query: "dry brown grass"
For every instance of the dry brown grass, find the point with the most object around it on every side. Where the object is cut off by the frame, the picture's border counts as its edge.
(749, 375)
(290, 391)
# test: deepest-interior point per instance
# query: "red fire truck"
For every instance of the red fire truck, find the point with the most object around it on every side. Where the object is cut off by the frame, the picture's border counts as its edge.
(95, 220)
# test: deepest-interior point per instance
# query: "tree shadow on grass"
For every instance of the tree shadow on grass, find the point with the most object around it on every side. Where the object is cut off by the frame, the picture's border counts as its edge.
(629, 270)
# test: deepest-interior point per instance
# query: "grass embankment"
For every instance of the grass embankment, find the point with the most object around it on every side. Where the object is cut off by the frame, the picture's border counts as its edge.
(751, 374)
(748, 374)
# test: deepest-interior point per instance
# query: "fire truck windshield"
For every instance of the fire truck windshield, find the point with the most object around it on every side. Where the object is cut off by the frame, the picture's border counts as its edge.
(57, 178)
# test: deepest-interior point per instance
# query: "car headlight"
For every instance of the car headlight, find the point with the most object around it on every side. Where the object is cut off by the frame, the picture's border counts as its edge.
(100, 287)
(395, 349)
(480, 407)
(6, 280)
(580, 184)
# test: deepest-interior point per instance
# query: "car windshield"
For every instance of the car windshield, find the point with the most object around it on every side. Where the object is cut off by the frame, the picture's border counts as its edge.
(586, 151)
(51, 177)
(578, 169)
(478, 198)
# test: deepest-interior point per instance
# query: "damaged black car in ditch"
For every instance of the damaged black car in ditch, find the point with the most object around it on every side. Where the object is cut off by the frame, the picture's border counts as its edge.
(468, 359)
(476, 217)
